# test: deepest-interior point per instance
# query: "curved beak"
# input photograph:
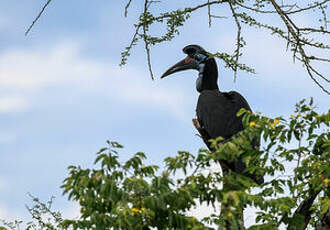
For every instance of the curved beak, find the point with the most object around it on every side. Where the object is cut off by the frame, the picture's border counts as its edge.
(187, 63)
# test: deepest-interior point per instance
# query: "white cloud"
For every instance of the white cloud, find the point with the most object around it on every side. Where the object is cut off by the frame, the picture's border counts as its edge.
(27, 71)
(12, 104)
(30, 70)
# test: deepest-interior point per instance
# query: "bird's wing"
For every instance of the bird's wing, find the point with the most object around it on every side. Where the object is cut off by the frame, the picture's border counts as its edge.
(217, 114)
(217, 111)
(239, 100)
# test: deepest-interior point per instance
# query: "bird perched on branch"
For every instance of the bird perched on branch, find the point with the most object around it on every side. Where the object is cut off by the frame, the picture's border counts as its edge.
(216, 110)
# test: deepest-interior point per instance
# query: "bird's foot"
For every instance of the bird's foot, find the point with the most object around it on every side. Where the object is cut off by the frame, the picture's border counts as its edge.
(196, 124)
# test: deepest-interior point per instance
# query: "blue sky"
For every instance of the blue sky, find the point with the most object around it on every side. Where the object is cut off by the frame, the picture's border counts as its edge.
(62, 93)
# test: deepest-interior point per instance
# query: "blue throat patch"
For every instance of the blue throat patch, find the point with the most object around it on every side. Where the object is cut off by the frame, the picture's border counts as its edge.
(199, 81)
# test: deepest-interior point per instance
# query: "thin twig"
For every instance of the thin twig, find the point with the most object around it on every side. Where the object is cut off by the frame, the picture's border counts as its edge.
(37, 18)
(316, 82)
(315, 30)
(127, 6)
(146, 44)
(238, 39)
(308, 8)
(289, 11)
(209, 13)
(294, 31)
(319, 59)
(320, 75)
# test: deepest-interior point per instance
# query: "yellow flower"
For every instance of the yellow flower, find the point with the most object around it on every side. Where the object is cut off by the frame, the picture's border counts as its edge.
(252, 123)
(135, 210)
(229, 214)
(143, 209)
(275, 122)
(299, 115)
(327, 180)
(292, 116)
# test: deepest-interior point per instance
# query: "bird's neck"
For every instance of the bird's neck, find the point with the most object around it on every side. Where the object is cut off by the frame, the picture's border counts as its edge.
(208, 76)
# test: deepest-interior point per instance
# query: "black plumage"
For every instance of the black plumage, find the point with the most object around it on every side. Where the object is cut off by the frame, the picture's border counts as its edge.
(216, 111)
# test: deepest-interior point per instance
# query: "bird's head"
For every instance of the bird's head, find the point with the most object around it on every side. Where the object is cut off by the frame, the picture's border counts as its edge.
(200, 60)
(196, 58)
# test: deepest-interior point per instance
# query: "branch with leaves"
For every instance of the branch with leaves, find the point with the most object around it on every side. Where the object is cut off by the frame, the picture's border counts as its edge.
(136, 195)
(300, 39)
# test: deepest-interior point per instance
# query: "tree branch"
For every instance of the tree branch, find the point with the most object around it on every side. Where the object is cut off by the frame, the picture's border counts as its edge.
(294, 31)
(324, 223)
(237, 53)
(38, 16)
(146, 43)
(304, 211)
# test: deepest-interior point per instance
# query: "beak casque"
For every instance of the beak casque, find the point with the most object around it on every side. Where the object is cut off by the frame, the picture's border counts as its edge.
(187, 63)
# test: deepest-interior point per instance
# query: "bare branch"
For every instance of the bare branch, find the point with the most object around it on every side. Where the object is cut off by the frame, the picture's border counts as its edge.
(238, 39)
(317, 4)
(209, 13)
(127, 6)
(37, 18)
(288, 11)
(315, 30)
(324, 223)
(146, 43)
(319, 59)
(309, 70)
(294, 31)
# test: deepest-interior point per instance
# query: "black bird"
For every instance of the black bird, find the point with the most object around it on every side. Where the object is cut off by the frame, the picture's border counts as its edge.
(216, 110)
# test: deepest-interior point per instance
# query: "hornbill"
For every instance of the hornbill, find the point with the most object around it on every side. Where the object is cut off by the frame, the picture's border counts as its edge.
(216, 110)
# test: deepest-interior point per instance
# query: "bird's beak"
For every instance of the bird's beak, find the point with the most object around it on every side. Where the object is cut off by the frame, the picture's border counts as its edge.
(187, 63)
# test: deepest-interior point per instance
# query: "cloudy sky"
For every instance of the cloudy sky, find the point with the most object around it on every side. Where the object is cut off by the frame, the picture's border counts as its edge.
(62, 93)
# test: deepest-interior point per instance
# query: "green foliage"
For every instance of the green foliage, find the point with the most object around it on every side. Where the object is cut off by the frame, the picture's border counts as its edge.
(133, 195)
(43, 217)
(127, 195)
(294, 158)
